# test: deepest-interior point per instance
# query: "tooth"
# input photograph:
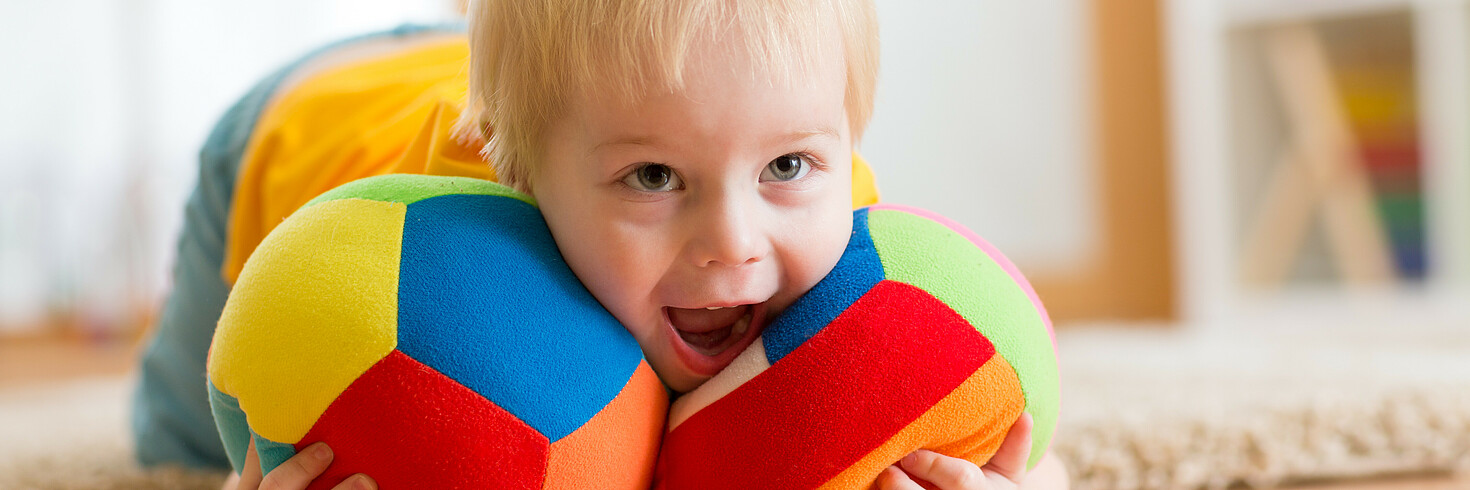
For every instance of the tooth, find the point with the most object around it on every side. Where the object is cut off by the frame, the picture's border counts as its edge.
(741, 326)
(713, 307)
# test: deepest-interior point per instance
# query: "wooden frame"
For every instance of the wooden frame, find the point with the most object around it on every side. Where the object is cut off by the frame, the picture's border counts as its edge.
(1131, 275)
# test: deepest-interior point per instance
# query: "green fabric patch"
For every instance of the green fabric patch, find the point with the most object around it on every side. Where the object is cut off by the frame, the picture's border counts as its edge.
(412, 188)
(929, 255)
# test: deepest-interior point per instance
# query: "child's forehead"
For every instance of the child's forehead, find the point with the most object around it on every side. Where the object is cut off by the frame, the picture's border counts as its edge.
(776, 50)
(720, 92)
(712, 71)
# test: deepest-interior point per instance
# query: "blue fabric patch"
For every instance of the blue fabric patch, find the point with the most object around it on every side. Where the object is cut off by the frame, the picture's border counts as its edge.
(485, 298)
(856, 272)
(271, 453)
(233, 430)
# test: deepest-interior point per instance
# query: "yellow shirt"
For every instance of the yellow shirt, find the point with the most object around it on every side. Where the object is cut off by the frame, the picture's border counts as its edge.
(388, 114)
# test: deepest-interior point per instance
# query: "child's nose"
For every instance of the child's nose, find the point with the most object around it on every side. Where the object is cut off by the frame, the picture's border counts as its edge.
(728, 234)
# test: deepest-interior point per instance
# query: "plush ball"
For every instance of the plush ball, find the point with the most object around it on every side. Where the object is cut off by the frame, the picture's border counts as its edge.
(428, 330)
(923, 336)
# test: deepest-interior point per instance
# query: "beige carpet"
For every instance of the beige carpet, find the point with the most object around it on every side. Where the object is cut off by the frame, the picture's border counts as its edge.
(73, 435)
(1158, 409)
(1141, 409)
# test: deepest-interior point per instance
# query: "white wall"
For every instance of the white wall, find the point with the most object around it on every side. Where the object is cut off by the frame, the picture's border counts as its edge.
(103, 107)
(982, 116)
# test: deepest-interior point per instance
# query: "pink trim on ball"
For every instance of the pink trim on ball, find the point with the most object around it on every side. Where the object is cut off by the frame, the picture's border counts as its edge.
(999, 258)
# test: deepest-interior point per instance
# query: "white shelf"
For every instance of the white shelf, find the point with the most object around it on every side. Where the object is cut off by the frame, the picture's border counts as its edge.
(1257, 12)
(1200, 35)
(1442, 41)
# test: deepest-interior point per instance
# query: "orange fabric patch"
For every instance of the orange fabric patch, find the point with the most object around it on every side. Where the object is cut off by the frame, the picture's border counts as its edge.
(973, 419)
(573, 462)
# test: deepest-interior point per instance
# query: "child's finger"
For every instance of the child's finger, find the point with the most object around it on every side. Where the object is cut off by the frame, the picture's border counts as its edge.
(1010, 460)
(300, 470)
(250, 473)
(357, 482)
(942, 471)
(893, 478)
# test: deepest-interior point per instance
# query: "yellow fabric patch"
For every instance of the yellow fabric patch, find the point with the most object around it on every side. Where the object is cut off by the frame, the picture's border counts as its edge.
(314, 308)
(864, 184)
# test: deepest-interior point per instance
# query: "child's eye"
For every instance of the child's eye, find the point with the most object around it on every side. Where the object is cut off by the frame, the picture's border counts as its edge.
(653, 177)
(790, 166)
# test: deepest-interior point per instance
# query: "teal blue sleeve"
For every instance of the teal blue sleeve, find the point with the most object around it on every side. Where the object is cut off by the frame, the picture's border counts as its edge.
(171, 418)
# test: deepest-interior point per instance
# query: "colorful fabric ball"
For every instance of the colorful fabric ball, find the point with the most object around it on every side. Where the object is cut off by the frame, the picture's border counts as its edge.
(428, 330)
(923, 336)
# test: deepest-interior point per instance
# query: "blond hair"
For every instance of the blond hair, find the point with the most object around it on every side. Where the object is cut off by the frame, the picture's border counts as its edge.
(528, 58)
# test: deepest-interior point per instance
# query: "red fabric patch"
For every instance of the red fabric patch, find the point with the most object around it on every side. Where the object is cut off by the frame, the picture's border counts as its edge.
(877, 367)
(408, 426)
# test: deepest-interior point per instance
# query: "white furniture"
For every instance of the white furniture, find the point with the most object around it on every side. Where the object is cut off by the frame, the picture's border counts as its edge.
(1203, 37)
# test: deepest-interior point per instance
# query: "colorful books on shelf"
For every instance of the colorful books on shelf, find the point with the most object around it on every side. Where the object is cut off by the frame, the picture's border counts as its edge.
(1378, 97)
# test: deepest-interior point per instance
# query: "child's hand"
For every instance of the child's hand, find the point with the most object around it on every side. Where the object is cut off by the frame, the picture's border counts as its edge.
(295, 473)
(928, 469)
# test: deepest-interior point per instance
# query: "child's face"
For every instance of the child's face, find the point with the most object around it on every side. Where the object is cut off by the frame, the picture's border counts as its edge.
(732, 193)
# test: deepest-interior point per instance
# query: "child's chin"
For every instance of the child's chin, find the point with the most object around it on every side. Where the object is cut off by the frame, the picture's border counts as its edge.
(684, 382)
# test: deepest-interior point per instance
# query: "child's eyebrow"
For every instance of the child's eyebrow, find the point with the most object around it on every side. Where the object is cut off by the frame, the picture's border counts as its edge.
(782, 139)
(627, 141)
(803, 134)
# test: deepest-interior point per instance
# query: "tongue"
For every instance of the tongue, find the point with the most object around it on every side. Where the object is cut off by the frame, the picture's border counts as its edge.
(707, 343)
(706, 330)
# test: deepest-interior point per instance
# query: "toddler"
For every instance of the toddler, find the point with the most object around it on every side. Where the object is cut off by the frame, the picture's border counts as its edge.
(694, 163)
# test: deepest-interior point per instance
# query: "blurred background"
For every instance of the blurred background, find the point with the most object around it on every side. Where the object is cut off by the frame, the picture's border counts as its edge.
(107, 104)
(1187, 162)
(1190, 169)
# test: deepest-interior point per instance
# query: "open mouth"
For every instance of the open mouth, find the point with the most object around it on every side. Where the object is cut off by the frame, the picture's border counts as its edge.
(711, 337)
